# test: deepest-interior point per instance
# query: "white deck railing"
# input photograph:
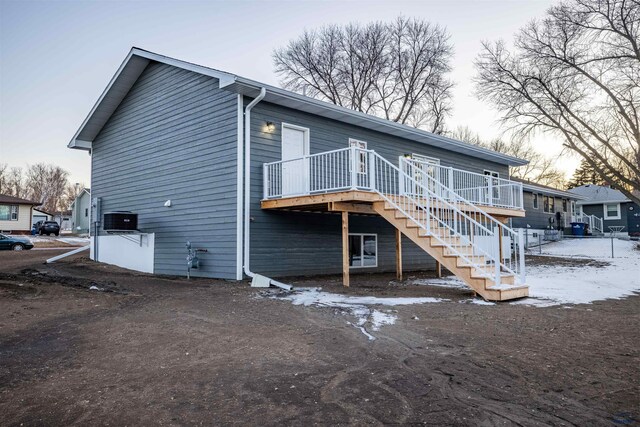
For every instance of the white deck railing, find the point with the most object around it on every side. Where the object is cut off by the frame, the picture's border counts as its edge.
(346, 168)
(441, 212)
(595, 223)
(477, 188)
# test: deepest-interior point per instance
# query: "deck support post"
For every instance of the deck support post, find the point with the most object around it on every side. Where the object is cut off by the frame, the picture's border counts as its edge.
(398, 254)
(345, 249)
(438, 269)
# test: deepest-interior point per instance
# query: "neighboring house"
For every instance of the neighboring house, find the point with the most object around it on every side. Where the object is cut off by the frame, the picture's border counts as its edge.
(327, 190)
(15, 214)
(40, 215)
(547, 208)
(64, 219)
(609, 204)
(80, 212)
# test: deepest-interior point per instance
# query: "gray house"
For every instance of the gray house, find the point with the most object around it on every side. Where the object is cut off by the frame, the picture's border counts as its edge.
(546, 208)
(611, 205)
(80, 210)
(273, 183)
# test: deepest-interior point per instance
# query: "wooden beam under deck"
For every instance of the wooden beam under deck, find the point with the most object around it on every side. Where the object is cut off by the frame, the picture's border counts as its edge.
(355, 201)
(398, 254)
(345, 248)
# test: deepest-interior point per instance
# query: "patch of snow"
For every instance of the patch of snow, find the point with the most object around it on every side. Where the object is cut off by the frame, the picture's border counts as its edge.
(94, 288)
(478, 301)
(551, 285)
(315, 296)
(560, 285)
(444, 282)
(379, 319)
(74, 240)
(357, 306)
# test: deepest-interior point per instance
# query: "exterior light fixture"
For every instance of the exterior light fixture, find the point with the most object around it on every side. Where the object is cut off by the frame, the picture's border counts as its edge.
(271, 126)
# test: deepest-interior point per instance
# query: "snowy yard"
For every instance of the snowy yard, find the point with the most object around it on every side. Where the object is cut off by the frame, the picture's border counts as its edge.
(58, 241)
(551, 284)
(554, 285)
(560, 284)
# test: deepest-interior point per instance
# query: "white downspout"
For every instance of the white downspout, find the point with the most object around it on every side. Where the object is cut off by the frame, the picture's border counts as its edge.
(247, 180)
(247, 194)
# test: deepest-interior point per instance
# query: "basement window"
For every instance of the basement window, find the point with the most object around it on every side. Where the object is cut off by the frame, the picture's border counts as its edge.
(363, 250)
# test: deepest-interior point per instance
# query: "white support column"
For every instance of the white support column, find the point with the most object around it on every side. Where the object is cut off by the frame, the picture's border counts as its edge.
(354, 167)
(371, 170)
(521, 256)
(450, 184)
(490, 178)
(265, 181)
(306, 171)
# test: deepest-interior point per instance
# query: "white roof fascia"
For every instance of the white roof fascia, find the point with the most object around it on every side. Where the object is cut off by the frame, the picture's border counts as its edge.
(555, 192)
(224, 78)
(602, 202)
(86, 145)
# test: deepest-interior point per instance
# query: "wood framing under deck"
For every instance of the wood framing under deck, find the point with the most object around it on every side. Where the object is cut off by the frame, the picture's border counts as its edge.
(369, 203)
(358, 201)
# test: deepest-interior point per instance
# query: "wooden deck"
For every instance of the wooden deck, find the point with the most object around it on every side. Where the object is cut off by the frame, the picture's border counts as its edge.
(358, 201)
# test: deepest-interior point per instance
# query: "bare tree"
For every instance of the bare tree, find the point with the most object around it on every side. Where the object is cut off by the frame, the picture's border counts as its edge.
(12, 181)
(540, 170)
(393, 70)
(40, 182)
(71, 191)
(576, 74)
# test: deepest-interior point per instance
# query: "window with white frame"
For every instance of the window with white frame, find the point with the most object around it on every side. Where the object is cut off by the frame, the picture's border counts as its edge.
(363, 250)
(549, 204)
(495, 176)
(9, 212)
(564, 205)
(535, 200)
(362, 155)
(612, 211)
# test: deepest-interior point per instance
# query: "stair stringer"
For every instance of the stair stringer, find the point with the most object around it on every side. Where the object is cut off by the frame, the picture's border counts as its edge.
(481, 285)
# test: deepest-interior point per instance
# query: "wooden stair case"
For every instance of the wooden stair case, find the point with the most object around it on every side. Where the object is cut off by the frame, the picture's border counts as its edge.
(471, 275)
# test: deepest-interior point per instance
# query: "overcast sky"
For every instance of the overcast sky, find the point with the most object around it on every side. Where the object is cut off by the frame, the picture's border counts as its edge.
(56, 57)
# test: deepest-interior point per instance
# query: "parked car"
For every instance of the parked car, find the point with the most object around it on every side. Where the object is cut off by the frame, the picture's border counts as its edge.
(14, 243)
(47, 227)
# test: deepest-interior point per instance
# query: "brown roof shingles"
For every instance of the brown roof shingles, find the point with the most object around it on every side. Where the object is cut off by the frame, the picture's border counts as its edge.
(17, 200)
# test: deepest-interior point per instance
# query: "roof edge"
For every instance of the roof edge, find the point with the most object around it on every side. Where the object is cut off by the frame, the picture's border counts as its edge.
(232, 82)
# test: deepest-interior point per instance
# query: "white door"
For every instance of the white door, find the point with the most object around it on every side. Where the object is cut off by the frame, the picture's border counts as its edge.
(294, 147)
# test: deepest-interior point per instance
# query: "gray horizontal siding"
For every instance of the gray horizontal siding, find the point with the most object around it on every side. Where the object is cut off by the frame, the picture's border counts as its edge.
(174, 136)
(598, 210)
(293, 243)
(538, 218)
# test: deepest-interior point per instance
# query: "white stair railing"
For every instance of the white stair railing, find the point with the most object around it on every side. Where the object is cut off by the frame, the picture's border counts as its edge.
(593, 221)
(505, 246)
(477, 188)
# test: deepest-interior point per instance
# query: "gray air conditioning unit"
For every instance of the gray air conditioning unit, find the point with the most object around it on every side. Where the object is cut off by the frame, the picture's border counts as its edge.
(120, 221)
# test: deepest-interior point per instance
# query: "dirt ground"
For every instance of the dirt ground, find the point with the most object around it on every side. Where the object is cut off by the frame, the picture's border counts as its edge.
(166, 351)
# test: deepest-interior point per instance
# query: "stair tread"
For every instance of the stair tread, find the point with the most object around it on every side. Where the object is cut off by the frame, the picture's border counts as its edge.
(506, 287)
